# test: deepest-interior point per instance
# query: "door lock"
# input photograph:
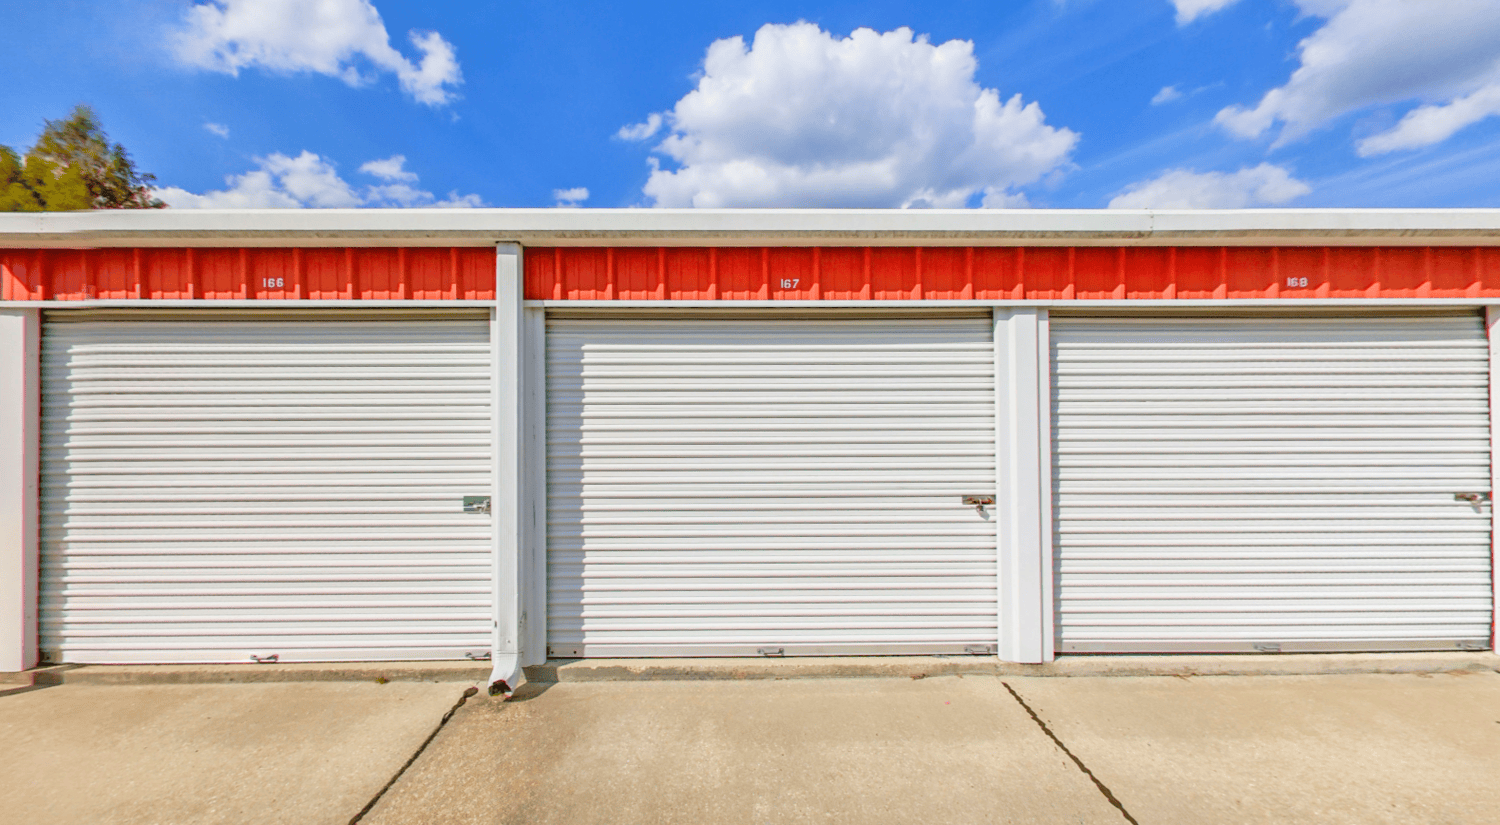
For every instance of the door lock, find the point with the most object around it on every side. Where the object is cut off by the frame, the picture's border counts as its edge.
(979, 502)
(1473, 498)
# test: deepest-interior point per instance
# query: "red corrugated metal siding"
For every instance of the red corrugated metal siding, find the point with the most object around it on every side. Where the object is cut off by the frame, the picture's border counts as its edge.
(1009, 273)
(758, 273)
(224, 274)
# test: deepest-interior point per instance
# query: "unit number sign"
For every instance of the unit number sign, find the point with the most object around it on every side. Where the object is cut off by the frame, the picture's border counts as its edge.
(790, 283)
(273, 283)
(1293, 280)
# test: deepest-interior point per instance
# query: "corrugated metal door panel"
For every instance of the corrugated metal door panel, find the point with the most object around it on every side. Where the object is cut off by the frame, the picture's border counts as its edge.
(720, 486)
(1233, 484)
(268, 485)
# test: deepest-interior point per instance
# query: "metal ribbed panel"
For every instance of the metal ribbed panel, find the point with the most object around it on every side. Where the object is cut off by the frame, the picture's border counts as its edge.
(292, 485)
(1223, 484)
(1005, 273)
(248, 273)
(719, 486)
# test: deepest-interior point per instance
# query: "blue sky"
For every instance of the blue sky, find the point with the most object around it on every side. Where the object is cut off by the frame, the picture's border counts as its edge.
(1046, 103)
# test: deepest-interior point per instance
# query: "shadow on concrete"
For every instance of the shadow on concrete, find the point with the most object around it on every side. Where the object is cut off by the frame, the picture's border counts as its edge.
(530, 690)
(27, 688)
(44, 677)
(547, 671)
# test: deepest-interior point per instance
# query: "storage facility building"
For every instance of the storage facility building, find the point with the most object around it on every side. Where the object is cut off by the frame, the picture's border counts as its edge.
(517, 435)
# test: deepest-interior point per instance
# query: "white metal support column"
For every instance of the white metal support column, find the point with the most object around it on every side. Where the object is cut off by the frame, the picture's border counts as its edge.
(1023, 495)
(1492, 330)
(506, 505)
(533, 569)
(20, 439)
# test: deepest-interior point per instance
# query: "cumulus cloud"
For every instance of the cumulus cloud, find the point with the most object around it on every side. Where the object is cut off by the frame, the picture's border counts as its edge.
(310, 180)
(1190, 10)
(1446, 56)
(218, 129)
(641, 131)
(799, 117)
(392, 168)
(1263, 185)
(571, 197)
(340, 38)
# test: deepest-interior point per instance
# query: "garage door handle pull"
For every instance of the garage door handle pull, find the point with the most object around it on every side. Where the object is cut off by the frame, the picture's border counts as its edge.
(1473, 498)
(979, 502)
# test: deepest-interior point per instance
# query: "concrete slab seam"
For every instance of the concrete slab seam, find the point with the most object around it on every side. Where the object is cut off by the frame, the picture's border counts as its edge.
(1103, 789)
(369, 806)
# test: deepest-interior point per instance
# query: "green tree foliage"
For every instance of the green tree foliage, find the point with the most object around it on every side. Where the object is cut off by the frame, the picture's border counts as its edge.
(73, 166)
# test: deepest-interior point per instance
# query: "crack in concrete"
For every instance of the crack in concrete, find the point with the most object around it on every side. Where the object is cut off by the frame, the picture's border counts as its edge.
(1104, 789)
(369, 806)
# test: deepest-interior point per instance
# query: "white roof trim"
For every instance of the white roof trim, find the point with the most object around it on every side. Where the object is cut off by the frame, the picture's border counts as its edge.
(751, 227)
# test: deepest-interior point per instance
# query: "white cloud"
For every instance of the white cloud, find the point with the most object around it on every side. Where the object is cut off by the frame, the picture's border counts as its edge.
(281, 181)
(571, 197)
(1445, 55)
(641, 131)
(1426, 125)
(456, 201)
(801, 118)
(1166, 95)
(1190, 10)
(1263, 185)
(310, 180)
(339, 38)
(218, 129)
(391, 168)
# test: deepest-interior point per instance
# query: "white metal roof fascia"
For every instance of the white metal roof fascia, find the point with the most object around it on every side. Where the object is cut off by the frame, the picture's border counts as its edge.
(751, 227)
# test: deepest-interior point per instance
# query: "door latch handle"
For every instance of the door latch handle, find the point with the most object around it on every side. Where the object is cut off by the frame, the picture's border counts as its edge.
(1473, 498)
(979, 502)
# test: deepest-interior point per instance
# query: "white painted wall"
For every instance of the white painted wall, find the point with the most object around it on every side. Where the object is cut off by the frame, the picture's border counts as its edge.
(20, 438)
(1023, 500)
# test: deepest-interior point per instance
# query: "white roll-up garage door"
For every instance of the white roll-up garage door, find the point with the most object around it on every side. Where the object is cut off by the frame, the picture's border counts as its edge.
(792, 485)
(218, 487)
(1271, 483)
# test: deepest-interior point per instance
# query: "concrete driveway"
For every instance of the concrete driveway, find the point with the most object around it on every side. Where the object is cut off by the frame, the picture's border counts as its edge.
(290, 752)
(961, 749)
(1326, 749)
(950, 748)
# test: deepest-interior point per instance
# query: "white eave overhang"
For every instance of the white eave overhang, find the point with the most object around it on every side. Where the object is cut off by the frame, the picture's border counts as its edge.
(751, 227)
